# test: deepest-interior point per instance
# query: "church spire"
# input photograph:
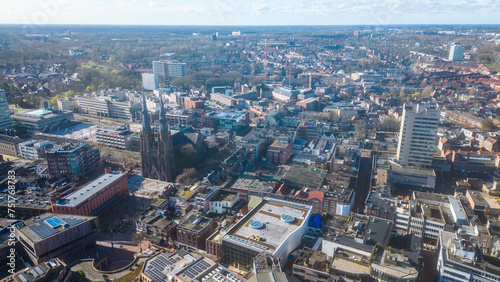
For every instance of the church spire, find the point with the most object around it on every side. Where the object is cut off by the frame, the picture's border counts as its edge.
(163, 117)
(146, 123)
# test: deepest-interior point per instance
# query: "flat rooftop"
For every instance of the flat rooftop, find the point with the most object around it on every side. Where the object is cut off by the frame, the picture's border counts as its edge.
(195, 223)
(410, 170)
(225, 115)
(477, 198)
(137, 182)
(164, 266)
(268, 224)
(87, 191)
(224, 196)
(422, 196)
(298, 175)
(50, 224)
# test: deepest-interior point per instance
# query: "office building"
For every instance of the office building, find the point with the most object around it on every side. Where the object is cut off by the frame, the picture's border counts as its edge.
(68, 104)
(75, 161)
(231, 121)
(118, 138)
(274, 226)
(150, 81)
(418, 134)
(285, 94)
(456, 52)
(33, 149)
(43, 120)
(104, 106)
(95, 197)
(53, 235)
(5, 118)
(168, 70)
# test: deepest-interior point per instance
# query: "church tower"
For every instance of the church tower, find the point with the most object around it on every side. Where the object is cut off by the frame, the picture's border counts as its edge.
(157, 154)
(165, 147)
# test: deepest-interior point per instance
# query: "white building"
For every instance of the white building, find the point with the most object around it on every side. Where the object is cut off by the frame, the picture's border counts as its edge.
(5, 118)
(223, 202)
(118, 138)
(418, 134)
(167, 70)
(67, 104)
(460, 260)
(456, 52)
(273, 226)
(150, 81)
(32, 149)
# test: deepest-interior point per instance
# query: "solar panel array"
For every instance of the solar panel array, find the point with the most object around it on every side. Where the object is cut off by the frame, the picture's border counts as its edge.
(196, 269)
(43, 231)
(47, 226)
(156, 266)
(73, 221)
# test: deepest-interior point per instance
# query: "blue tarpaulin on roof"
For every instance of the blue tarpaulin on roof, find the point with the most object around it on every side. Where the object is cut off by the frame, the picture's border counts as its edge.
(315, 221)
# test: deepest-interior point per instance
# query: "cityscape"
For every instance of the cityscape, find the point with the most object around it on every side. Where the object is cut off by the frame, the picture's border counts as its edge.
(270, 152)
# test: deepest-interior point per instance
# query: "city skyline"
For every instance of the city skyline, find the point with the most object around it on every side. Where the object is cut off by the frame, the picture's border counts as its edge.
(222, 12)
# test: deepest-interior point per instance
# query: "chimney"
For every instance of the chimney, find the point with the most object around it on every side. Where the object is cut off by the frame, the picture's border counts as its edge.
(107, 170)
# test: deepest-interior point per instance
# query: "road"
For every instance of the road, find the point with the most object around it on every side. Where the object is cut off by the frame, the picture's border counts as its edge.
(363, 182)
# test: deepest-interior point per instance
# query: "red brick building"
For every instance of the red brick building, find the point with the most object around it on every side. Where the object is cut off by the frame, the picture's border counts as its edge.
(95, 197)
(193, 103)
(279, 151)
(194, 231)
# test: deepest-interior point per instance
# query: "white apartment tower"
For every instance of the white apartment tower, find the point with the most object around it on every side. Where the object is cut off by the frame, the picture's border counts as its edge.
(417, 135)
(5, 118)
(456, 52)
(168, 70)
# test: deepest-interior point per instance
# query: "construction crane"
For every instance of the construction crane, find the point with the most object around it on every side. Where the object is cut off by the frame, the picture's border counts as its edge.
(265, 54)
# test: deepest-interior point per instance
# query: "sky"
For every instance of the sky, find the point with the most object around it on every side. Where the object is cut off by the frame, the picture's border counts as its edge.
(249, 12)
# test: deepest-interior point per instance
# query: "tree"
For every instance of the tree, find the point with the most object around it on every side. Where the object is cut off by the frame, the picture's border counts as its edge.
(487, 125)
(360, 130)
(389, 124)
(426, 93)
(187, 177)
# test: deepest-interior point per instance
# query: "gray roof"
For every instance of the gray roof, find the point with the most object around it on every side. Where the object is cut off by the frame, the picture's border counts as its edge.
(82, 194)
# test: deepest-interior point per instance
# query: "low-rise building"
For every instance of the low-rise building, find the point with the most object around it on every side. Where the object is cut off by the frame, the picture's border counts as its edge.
(33, 149)
(312, 266)
(223, 201)
(280, 150)
(55, 235)
(119, 138)
(43, 120)
(94, 198)
(9, 145)
(459, 259)
(194, 230)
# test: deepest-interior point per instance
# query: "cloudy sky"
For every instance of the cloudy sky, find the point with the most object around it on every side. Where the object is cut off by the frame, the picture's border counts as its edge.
(250, 12)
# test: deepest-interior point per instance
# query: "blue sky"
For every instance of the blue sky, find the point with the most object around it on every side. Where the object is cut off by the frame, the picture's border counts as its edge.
(250, 12)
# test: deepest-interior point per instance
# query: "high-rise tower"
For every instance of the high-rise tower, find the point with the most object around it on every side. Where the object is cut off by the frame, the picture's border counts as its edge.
(418, 134)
